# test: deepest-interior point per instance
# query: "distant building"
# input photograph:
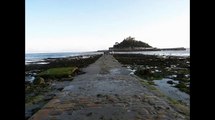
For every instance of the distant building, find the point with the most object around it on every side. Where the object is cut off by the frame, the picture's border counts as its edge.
(116, 43)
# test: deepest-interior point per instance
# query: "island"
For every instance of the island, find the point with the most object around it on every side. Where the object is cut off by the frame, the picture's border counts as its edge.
(129, 44)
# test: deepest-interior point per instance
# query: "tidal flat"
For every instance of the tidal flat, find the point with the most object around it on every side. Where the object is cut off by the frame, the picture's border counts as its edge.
(44, 81)
(169, 74)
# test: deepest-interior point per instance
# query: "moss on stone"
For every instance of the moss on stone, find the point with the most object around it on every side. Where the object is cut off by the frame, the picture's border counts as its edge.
(58, 72)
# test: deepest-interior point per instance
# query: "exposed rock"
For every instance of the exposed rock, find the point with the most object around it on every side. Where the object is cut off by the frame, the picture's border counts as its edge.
(170, 82)
(27, 82)
(89, 114)
(49, 97)
(180, 75)
(67, 79)
(60, 88)
(27, 87)
(99, 95)
(39, 81)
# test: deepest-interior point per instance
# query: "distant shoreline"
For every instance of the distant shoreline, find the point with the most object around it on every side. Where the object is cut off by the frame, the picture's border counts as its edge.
(39, 58)
(140, 49)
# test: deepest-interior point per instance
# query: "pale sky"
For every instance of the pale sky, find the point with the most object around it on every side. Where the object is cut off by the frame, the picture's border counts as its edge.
(90, 25)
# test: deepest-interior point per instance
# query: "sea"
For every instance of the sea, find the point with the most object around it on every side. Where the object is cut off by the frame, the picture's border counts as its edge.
(34, 57)
(182, 53)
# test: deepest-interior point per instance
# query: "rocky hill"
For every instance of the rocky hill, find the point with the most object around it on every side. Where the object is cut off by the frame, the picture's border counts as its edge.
(130, 42)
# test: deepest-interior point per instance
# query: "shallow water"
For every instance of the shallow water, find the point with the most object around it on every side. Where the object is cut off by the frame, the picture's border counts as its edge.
(34, 57)
(181, 53)
(29, 78)
(171, 91)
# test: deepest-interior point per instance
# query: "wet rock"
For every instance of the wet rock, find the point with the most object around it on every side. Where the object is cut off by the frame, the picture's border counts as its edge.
(27, 82)
(80, 72)
(97, 102)
(67, 79)
(137, 96)
(89, 114)
(27, 115)
(170, 82)
(180, 76)
(39, 81)
(159, 107)
(139, 117)
(102, 117)
(93, 105)
(61, 88)
(100, 95)
(173, 76)
(116, 95)
(49, 97)
(187, 76)
(56, 112)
